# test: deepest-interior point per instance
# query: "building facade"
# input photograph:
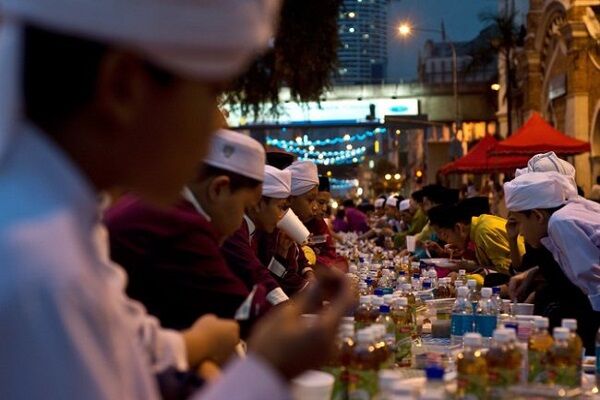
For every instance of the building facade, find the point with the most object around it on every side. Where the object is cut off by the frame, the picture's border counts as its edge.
(436, 61)
(558, 74)
(363, 42)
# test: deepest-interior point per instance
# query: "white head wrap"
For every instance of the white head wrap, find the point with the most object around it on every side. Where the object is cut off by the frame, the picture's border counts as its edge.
(210, 40)
(237, 153)
(277, 183)
(404, 205)
(305, 176)
(392, 201)
(538, 190)
(379, 203)
(549, 162)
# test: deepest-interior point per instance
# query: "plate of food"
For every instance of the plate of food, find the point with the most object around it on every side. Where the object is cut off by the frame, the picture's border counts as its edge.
(440, 262)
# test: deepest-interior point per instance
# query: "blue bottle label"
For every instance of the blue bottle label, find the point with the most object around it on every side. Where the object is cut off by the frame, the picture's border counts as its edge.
(486, 324)
(461, 324)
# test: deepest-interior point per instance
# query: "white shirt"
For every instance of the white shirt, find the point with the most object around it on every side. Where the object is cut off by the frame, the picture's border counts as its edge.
(64, 328)
(574, 240)
(68, 330)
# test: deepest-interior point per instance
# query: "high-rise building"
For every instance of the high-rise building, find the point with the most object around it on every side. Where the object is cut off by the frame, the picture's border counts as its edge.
(363, 37)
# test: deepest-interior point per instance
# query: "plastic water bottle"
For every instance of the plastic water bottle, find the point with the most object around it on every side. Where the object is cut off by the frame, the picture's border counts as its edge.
(461, 279)
(462, 316)
(486, 315)
(474, 295)
(471, 368)
(496, 299)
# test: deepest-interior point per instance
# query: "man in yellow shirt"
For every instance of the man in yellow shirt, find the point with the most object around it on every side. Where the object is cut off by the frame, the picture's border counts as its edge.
(482, 239)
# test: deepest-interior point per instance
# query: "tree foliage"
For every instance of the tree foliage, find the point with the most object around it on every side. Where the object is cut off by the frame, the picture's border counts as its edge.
(303, 58)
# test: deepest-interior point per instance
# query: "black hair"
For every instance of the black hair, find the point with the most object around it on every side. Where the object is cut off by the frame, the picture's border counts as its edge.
(236, 181)
(366, 207)
(324, 185)
(349, 203)
(60, 74)
(580, 191)
(417, 196)
(475, 206)
(440, 195)
(340, 213)
(448, 215)
(280, 159)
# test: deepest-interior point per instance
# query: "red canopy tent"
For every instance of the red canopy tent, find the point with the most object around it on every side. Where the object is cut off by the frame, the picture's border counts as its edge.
(537, 136)
(478, 160)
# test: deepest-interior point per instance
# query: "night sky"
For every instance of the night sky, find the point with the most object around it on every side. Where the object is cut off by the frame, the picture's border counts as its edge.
(461, 19)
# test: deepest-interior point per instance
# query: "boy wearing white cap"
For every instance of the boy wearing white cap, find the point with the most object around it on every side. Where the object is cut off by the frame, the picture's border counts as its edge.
(550, 215)
(259, 238)
(101, 95)
(241, 249)
(172, 255)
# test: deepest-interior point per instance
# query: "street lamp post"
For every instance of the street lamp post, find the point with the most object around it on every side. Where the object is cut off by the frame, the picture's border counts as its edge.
(406, 30)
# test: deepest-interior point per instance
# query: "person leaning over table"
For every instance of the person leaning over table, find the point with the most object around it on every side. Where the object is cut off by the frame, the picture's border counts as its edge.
(484, 235)
(564, 229)
(66, 319)
(172, 255)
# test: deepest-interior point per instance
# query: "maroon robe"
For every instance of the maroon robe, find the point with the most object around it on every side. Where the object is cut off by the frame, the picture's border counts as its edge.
(292, 281)
(174, 263)
(241, 256)
(325, 252)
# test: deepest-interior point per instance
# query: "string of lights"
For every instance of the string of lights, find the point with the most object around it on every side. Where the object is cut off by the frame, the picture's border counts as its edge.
(304, 141)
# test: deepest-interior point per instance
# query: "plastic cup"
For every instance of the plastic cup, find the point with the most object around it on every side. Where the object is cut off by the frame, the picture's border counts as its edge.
(411, 243)
(293, 227)
(522, 309)
(313, 385)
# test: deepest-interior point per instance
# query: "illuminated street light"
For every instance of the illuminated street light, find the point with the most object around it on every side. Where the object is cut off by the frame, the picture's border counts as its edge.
(404, 29)
(351, 14)
(388, 177)
(419, 173)
(346, 137)
(495, 87)
(329, 173)
(348, 147)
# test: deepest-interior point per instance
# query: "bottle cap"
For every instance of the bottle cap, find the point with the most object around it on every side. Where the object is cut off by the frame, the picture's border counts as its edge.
(472, 339)
(496, 290)
(426, 285)
(345, 331)
(377, 301)
(462, 291)
(471, 283)
(561, 333)
(541, 323)
(378, 292)
(401, 301)
(486, 292)
(569, 323)
(365, 300)
(434, 372)
(365, 336)
(502, 335)
(384, 308)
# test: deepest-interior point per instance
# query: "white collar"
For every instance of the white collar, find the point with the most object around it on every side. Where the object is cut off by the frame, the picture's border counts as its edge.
(189, 196)
(251, 226)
